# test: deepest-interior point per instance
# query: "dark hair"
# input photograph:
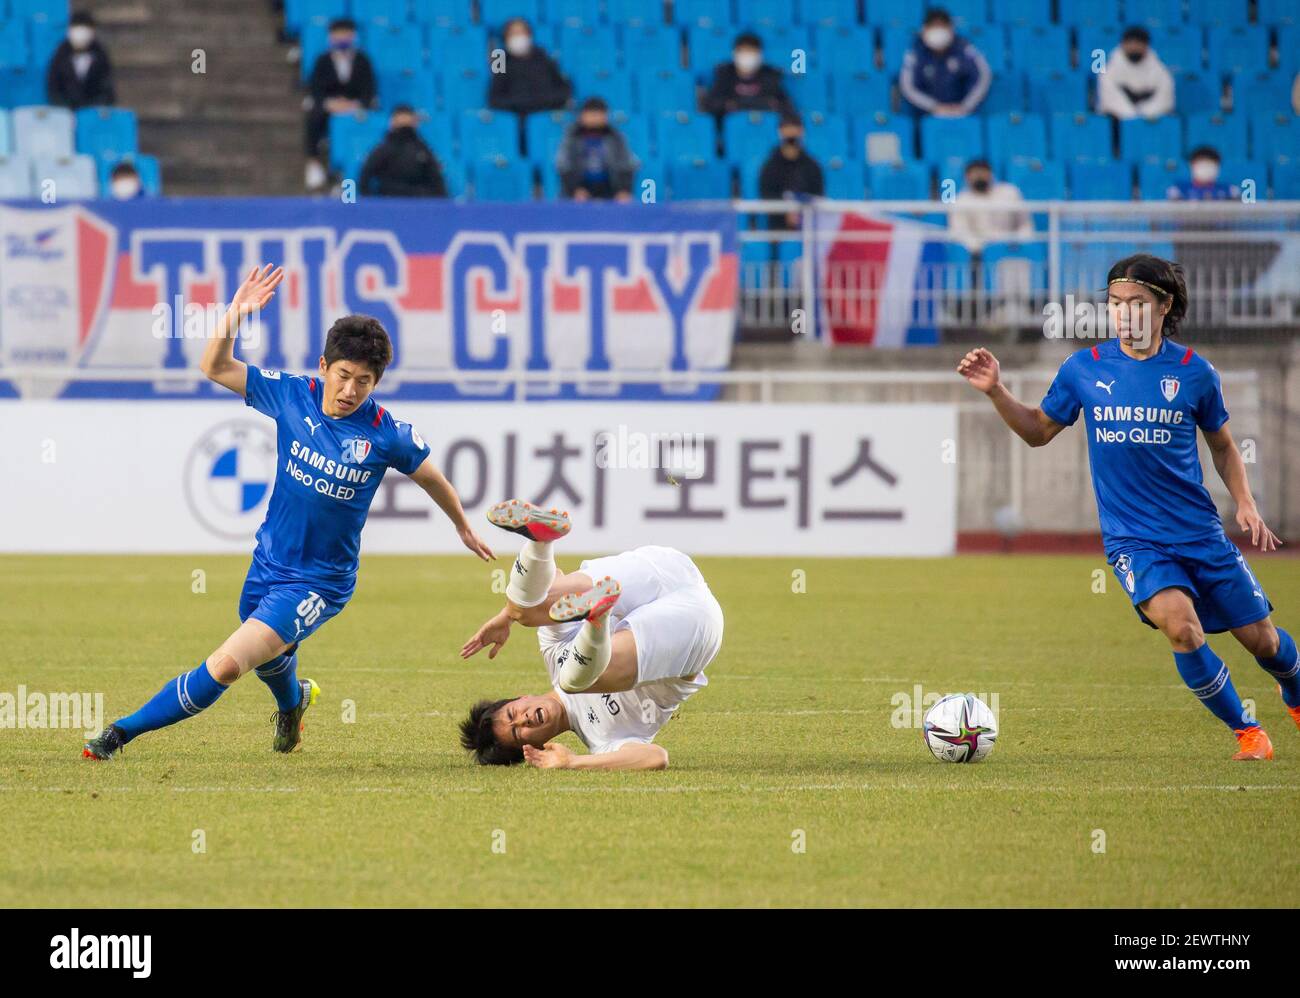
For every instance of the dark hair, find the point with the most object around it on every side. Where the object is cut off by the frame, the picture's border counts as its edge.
(1164, 275)
(362, 340)
(521, 22)
(343, 24)
(401, 109)
(747, 39)
(124, 169)
(1205, 152)
(936, 15)
(594, 104)
(1137, 33)
(978, 163)
(477, 736)
(790, 120)
(82, 18)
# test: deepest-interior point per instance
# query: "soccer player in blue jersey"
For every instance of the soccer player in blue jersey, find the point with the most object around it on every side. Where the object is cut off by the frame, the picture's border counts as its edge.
(334, 444)
(1143, 398)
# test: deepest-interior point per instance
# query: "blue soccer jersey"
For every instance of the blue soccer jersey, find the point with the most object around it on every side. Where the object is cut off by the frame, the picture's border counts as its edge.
(327, 473)
(1142, 417)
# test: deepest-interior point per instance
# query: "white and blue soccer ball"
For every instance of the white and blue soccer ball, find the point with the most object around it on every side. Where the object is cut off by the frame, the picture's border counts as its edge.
(960, 728)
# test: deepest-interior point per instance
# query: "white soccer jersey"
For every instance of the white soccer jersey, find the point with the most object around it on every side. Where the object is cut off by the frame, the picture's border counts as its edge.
(677, 624)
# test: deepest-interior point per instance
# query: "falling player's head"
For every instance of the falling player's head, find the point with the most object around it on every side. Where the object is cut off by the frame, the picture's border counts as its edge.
(1146, 296)
(496, 731)
(357, 350)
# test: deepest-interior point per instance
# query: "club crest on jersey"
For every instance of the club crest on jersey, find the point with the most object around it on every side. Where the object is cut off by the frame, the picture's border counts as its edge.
(356, 450)
(1169, 388)
(1122, 563)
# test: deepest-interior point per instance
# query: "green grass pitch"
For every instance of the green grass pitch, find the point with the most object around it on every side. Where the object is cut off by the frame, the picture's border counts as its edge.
(789, 782)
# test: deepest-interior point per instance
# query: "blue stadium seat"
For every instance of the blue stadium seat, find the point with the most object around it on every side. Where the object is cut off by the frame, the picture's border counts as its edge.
(570, 11)
(1286, 180)
(146, 166)
(1274, 136)
(1016, 136)
(709, 13)
(42, 131)
(1091, 14)
(1197, 93)
(964, 13)
(313, 39)
(707, 47)
(749, 136)
(590, 46)
(615, 86)
(650, 45)
(660, 90)
(1239, 49)
(25, 10)
(542, 135)
(494, 13)
(843, 48)
(894, 43)
(464, 88)
(438, 12)
(861, 93)
(882, 123)
(780, 43)
(763, 13)
(1140, 139)
(297, 13)
(43, 37)
(379, 11)
(948, 138)
(1080, 137)
(502, 180)
(1288, 48)
(457, 47)
(352, 136)
(13, 46)
(747, 173)
(994, 254)
(651, 178)
(6, 134)
(845, 179)
(684, 136)
(1225, 132)
(894, 14)
(1239, 171)
(1040, 180)
(21, 87)
(439, 133)
(1155, 179)
(1093, 181)
(705, 179)
(826, 136)
(408, 86)
(1042, 48)
(1155, 13)
(1027, 12)
(15, 177)
(1216, 13)
(74, 177)
(393, 46)
(1006, 93)
(633, 12)
(636, 130)
(106, 132)
(811, 91)
(900, 182)
(1278, 12)
(817, 12)
(1265, 91)
(1180, 48)
(991, 40)
(489, 134)
(1091, 39)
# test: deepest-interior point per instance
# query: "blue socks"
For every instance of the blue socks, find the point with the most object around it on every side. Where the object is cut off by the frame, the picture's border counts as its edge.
(182, 697)
(1285, 668)
(281, 675)
(1207, 677)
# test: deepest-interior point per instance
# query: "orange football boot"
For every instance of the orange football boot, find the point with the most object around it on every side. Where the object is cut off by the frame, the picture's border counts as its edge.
(1254, 745)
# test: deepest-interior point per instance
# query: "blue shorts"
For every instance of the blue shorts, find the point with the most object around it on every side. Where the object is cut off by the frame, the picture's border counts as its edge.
(294, 610)
(1214, 573)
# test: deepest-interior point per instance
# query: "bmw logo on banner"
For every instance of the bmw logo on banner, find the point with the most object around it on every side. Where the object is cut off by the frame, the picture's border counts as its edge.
(228, 477)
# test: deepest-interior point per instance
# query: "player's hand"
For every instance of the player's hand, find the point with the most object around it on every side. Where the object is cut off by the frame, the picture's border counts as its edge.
(496, 632)
(1250, 522)
(475, 543)
(258, 289)
(552, 755)
(981, 369)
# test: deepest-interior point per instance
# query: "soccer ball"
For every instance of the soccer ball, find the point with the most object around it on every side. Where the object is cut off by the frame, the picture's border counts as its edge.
(960, 728)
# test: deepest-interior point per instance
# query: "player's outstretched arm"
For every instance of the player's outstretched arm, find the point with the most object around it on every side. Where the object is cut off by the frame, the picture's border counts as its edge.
(495, 632)
(981, 369)
(1232, 469)
(632, 756)
(218, 361)
(435, 484)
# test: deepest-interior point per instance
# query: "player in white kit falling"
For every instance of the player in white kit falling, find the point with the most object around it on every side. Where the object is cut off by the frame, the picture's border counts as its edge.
(625, 639)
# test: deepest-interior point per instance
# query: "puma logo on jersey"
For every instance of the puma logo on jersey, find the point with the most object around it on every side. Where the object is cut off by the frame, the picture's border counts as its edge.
(310, 425)
(1102, 384)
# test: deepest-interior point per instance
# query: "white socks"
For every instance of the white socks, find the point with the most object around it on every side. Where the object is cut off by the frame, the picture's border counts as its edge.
(532, 574)
(586, 657)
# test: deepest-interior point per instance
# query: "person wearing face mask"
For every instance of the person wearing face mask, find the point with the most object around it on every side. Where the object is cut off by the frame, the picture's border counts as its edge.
(790, 174)
(1205, 183)
(746, 83)
(529, 79)
(342, 81)
(593, 160)
(943, 74)
(992, 209)
(124, 183)
(80, 74)
(1134, 82)
(402, 165)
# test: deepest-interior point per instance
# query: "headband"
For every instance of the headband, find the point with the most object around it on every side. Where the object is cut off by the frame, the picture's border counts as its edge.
(1146, 284)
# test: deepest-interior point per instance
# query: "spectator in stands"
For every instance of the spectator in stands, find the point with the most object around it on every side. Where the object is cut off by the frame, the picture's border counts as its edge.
(987, 210)
(79, 74)
(124, 182)
(528, 79)
(1135, 83)
(402, 165)
(1204, 185)
(342, 81)
(943, 74)
(593, 160)
(747, 83)
(790, 173)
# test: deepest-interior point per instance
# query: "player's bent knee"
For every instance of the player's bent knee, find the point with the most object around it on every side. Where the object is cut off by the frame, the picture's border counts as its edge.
(1260, 639)
(661, 760)
(1185, 633)
(224, 667)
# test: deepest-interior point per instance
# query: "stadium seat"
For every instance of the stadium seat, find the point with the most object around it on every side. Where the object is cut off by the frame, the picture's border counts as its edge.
(995, 254)
(458, 47)
(1198, 93)
(661, 90)
(1238, 49)
(1155, 13)
(826, 136)
(893, 14)
(15, 177)
(1006, 93)
(1241, 171)
(489, 134)
(297, 13)
(1266, 91)
(494, 13)
(438, 12)
(1274, 136)
(572, 11)
(706, 13)
(106, 132)
(1225, 132)
(393, 47)
(843, 48)
(352, 136)
(590, 46)
(438, 130)
(749, 136)
(74, 177)
(1288, 49)
(1081, 137)
(762, 13)
(845, 179)
(1016, 136)
(636, 131)
(1286, 180)
(1180, 48)
(313, 40)
(964, 13)
(615, 86)
(705, 179)
(991, 40)
(633, 12)
(21, 87)
(6, 134)
(543, 133)
(502, 180)
(42, 131)
(1140, 139)
(684, 136)
(146, 166)
(882, 137)
(819, 12)
(894, 43)
(1038, 180)
(379, 11)
(455, 174)
(13, 46)
(1041, 48)
(1105, 181)
(1026, 12)
(417, 88)
(43, 37)
(899, 182)
(464, 88)
(1278, 12)
(948, 138)
(811, 91)
(706, 47)
(1155, 179)
(1091, 14)
(1060, 90)
(649, 45)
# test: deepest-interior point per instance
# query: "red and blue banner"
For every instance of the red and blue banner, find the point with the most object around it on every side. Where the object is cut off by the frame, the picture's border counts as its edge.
(473, 296)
